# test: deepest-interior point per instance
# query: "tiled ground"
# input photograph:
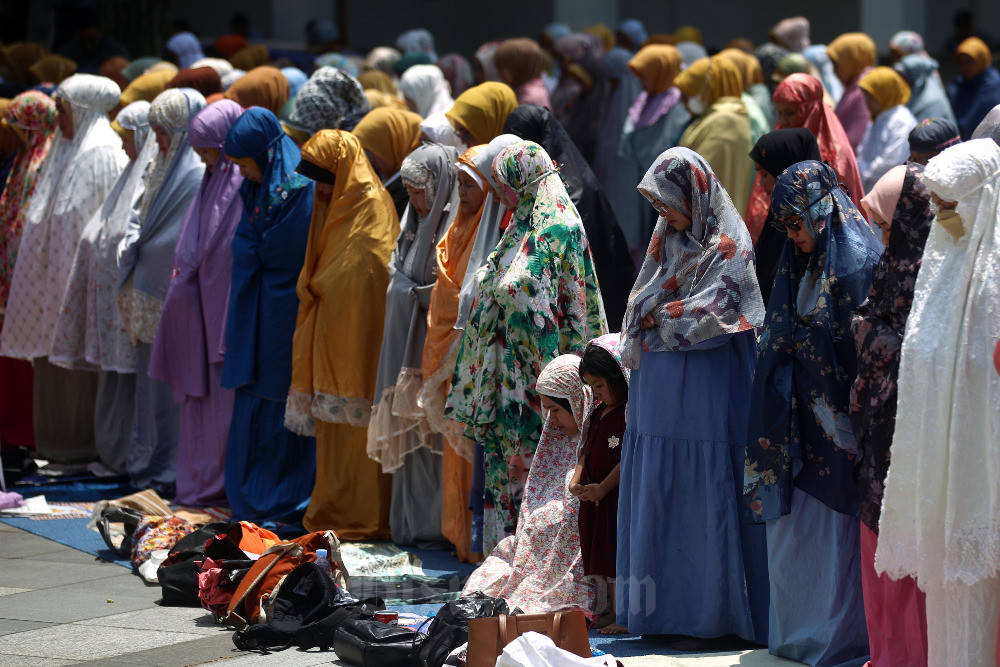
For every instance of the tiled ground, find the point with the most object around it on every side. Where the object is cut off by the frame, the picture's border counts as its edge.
(60, 606)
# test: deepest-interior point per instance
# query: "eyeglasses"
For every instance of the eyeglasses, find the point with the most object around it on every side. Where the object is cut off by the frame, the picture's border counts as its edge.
(793, 222)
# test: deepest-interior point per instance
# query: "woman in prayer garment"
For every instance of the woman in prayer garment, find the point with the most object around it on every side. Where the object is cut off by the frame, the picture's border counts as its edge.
(885, 144)
(335, 353)
(327, 98)
(931, 137)
(555, 309)
(387, 136)
(145, 267)
(425, 90)
(539, 568)
(655, 122)
(481, 111)
(615, 269)
(190, 344)
(624, 87)
(203, 79)
(791, 33)
(90, 330)
(801, 451)
(928, 98)
(852, 54)
(52, 69)
(799, 100)
(458, 71)
(900, 205)
(772, 154)
(939, 506)
(520, 63)
(270, 471)
(720, 132)
(185, 49)
(83, 164)
(260, 87)
(399, 436)
(977, 90)
(990, 127)
(31, 118)
(251, 57)
(440, 352)
(690, 333)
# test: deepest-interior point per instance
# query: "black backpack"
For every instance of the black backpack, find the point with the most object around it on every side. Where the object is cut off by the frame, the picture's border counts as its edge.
(450, 628)
(308, 609)
(179, 573)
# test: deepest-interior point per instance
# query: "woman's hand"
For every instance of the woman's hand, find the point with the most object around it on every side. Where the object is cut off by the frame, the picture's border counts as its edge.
(592, 493)
(647, 322)
(576, 489)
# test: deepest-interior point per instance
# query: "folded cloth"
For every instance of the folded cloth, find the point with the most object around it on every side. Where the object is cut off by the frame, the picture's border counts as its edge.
(9, 500)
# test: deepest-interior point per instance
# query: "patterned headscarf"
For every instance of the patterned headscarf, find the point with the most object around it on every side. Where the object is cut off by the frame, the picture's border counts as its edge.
(933, 135)
(907, 42)
(699, 283)
(612, 344)
(878, 331)
(35, 115)
(799, 432)
(528, 174)
(328, 97)
(561, 379)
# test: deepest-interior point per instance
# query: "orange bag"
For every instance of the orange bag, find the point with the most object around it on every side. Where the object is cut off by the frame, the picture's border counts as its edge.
(253, 600)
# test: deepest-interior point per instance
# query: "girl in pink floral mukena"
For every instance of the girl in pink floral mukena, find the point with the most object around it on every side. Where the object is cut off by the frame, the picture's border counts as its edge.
(595, 481)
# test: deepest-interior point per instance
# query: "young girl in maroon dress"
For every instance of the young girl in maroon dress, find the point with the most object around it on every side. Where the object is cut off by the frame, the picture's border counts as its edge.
(595, 481)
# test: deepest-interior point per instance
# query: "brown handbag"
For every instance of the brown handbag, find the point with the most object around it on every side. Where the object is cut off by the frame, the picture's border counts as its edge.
(489, 636)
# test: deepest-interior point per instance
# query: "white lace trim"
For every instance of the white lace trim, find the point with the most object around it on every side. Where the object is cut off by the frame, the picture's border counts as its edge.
(303, 409)
(433, 398)
(398, 425)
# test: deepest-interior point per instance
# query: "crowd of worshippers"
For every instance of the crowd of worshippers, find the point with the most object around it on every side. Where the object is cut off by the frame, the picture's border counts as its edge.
(633, 327)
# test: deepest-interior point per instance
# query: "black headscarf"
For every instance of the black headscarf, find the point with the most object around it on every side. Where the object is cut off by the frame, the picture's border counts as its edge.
(775, 152)
(933, 135)
(615, 267)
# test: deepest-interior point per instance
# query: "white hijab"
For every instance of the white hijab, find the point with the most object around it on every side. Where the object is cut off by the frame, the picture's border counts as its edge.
(941, 511)
(427, 88)
(74, 181)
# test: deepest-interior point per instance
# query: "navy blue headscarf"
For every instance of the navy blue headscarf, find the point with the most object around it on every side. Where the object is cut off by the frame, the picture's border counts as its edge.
(268, 252)
(800, 431)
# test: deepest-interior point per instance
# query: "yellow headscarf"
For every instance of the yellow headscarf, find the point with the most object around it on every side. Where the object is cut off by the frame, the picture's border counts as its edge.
(378, 99)
(251, 57)
(853, 52)
(712, 78)
(263, 86)
(19, 57)
(146, 87)
(53, 69)
(749, 65)
(483, 109)
(376, 79)
(688, 33)
(604, 33)
(342, 285)
(656, 65)
(887, 86)
(390, 134)
(976, 49)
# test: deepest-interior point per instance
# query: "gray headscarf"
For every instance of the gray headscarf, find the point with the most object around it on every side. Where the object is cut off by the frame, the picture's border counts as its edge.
(489, 226)
(146, 253)
(413, 267)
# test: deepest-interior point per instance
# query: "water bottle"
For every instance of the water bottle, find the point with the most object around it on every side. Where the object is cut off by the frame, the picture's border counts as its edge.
(323, 562)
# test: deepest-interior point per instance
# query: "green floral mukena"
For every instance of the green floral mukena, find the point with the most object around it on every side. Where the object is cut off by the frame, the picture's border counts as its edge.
(537, 297)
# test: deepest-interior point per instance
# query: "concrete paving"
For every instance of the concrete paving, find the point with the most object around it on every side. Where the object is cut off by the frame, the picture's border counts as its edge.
(60, 606)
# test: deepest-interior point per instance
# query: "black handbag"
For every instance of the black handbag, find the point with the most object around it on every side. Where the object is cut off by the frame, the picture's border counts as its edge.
(450, 627)
(178, 574)
(129, 518)
(374, 644)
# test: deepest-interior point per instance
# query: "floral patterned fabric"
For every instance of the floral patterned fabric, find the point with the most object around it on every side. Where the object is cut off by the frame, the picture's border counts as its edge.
(878, 331)
(540, 568)
(537, 297)
(698, 283)
(799, 431)
(34, 113)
